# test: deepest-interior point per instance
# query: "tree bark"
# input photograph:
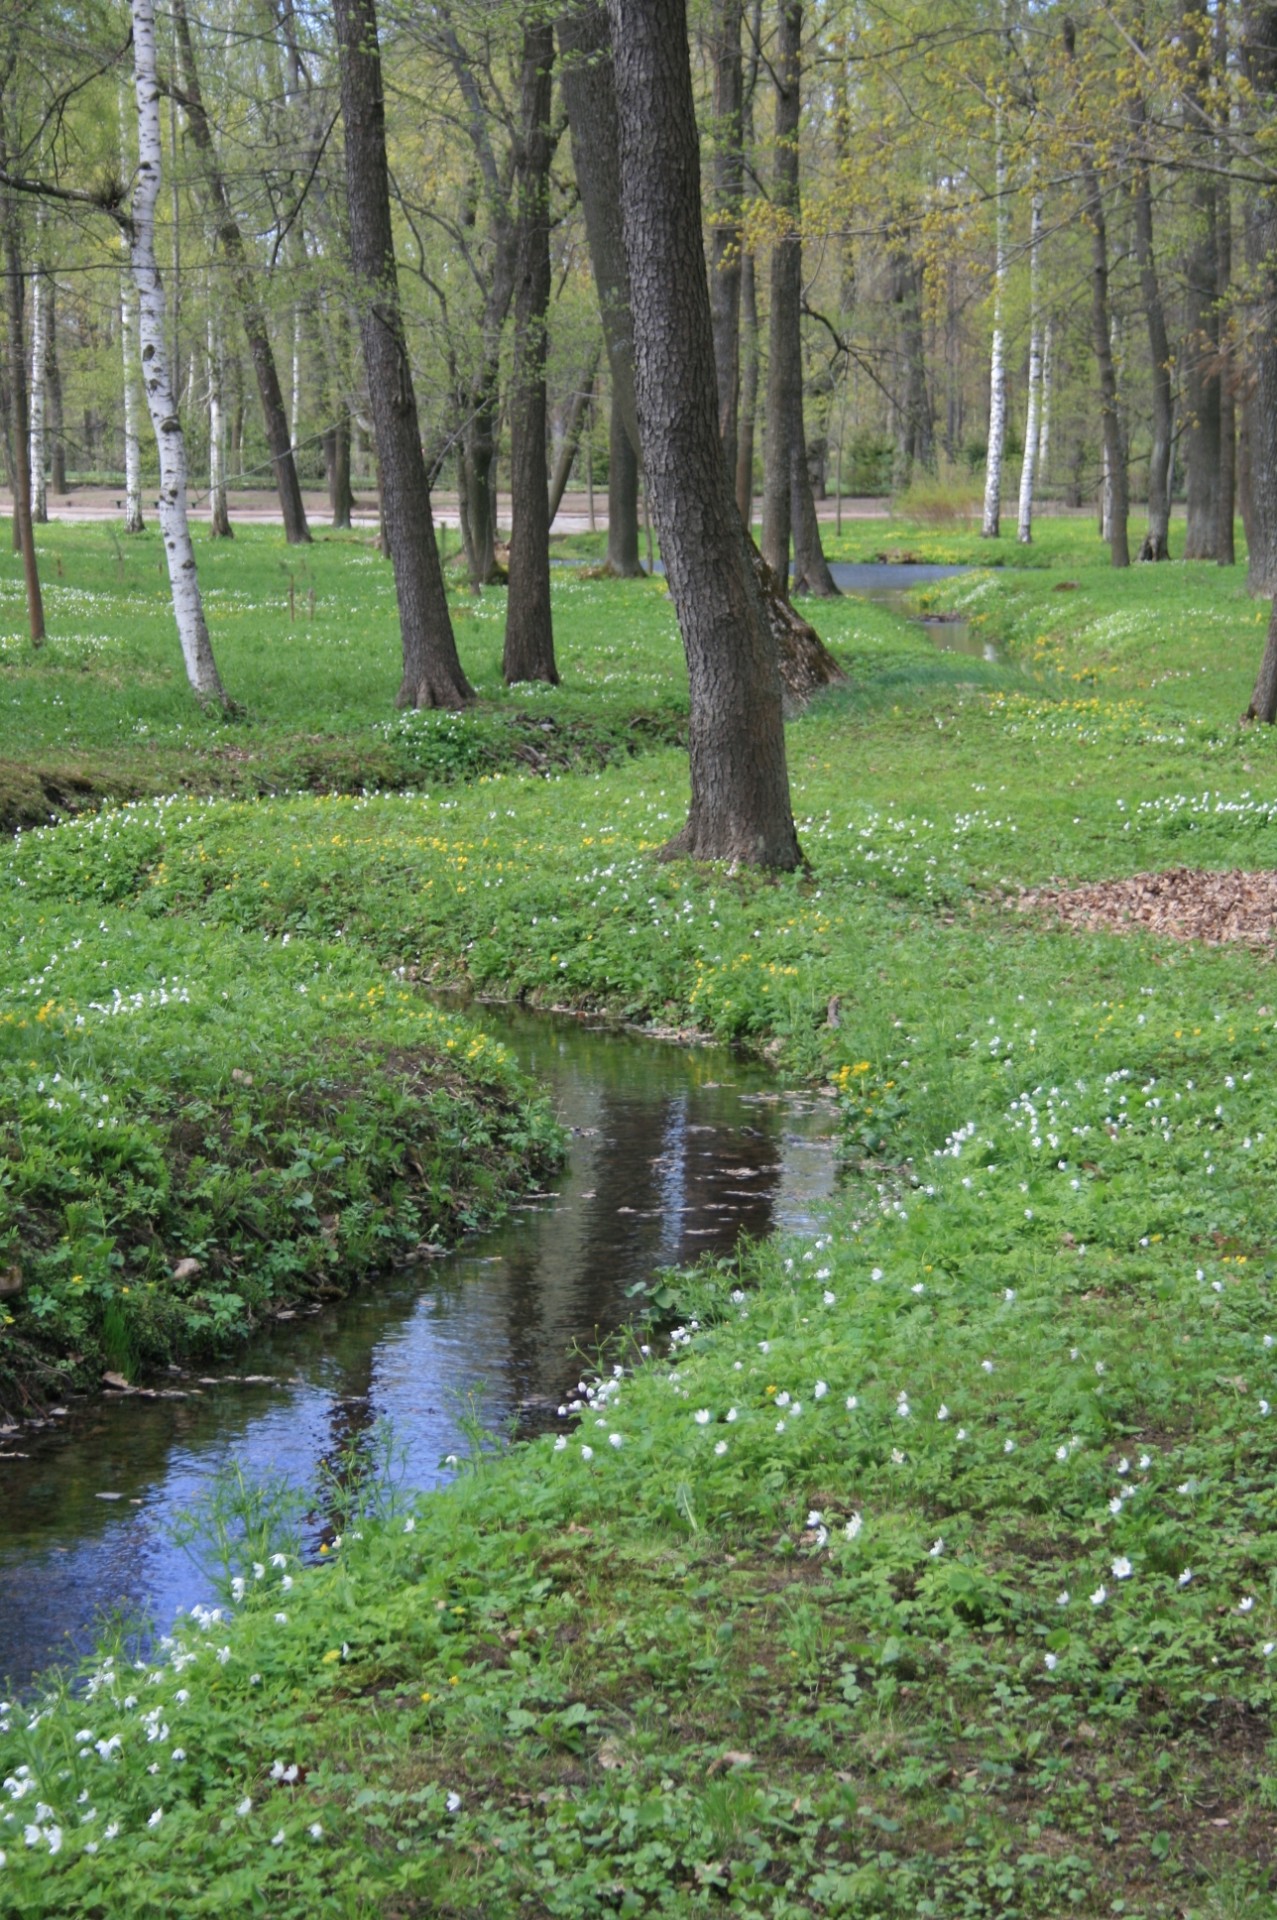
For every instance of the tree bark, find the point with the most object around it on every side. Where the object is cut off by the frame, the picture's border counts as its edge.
(623, 561)
(914, 418)
(432, 675)
(1156, 544)
(740, 808)
(341, 498)
(53, 375)
(784, 347)
(1201, 435)
(1225, 532)
(188, 605)
(1117, 491)
(219, 518)
(134, 520)
(748, 410)
(231, 241)
(529, 627)
(991, 525)
(727, 172)
(1033, 410)
(1259, 59)
(17, 422)
(39, 387)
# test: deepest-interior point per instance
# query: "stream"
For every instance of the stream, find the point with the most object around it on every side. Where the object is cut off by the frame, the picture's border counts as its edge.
(674, 1152)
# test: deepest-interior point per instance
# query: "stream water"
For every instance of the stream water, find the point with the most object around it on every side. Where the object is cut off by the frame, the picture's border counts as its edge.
(673, 1153)
(890, 583)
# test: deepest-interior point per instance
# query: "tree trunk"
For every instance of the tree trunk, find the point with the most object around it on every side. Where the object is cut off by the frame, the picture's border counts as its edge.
(17, 422)
(911, 405)
(432, 675)
(134, 521)
(1156, 545)
(188, 605)
(231, 241)
(39, 349)
(622, 500)
(219, 518)
(529, 629)
(578, 413)
(1117, 501)
(811, 569)
(53, 377)
(991, 525)
(1028, 466)
(748, 411)
(784, 350)
(341, 498)
(1225, 532)
(1048, 383)
(728, 185)
(1259, 60)
(740, 808)
(1200, 356)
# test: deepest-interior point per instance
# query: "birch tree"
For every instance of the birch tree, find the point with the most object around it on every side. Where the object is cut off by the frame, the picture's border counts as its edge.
(188, 605)
(1028, 468)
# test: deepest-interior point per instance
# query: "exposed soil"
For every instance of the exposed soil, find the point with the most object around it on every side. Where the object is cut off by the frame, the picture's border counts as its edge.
(1184, 903)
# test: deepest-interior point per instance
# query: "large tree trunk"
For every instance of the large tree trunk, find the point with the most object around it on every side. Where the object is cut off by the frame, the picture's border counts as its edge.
(622, 499)
(1259, 56)
(432, 675)
(912, 411)
(592, 118)
(529, 629)
(1156, 544)
(188, 605)
(740, 808)
(1225, 532)
(252, 313)
(728, 186)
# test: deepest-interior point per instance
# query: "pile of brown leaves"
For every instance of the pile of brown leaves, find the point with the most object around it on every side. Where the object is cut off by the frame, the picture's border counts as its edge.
(1183, 904)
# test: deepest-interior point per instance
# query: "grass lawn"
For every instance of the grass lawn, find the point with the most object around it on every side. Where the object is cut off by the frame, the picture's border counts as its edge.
(929, 1565)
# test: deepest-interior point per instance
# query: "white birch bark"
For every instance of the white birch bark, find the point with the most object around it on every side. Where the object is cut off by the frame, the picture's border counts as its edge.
(294, 417)
(188, 606)
(1048, 379)
(997, 352)
(133, 517)
(39, 355)
(1028, 470)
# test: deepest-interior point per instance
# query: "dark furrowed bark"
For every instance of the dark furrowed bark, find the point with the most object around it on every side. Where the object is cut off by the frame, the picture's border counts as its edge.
(432, 675)
(529, 629)
(740, 807)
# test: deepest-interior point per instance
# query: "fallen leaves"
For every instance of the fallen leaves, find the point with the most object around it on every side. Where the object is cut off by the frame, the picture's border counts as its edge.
(1184, 903)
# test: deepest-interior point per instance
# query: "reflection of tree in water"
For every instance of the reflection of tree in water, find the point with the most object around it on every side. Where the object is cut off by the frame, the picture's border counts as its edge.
(729, 1177)
(356, 1449)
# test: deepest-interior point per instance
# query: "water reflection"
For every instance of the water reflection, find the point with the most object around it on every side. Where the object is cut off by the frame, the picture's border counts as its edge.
(673, 1153)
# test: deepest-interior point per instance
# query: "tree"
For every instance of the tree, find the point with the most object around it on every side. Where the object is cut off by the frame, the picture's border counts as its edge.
(231, 241)
(529, 629)
(188, 605)
(432, 674)
(1259, 54)
(740, 808)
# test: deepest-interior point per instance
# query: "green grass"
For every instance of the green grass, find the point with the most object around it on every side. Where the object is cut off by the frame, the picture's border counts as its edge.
(933, 1569)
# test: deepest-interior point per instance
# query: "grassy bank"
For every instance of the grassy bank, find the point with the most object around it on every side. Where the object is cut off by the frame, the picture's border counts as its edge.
(929, 1568)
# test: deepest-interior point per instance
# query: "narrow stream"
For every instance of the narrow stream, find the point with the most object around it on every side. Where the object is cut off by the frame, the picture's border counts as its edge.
(674, 1152)
(889, 584)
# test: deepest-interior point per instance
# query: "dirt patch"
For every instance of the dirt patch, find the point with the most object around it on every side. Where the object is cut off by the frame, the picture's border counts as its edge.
(1184, 903)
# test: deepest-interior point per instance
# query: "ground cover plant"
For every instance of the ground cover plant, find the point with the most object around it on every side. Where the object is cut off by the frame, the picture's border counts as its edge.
(924, 1566)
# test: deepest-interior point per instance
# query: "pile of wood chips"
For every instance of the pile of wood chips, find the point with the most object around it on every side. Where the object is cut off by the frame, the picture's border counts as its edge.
(1183, 904)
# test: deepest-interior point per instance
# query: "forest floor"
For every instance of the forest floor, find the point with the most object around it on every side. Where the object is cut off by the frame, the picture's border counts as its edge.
(929, 1567)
